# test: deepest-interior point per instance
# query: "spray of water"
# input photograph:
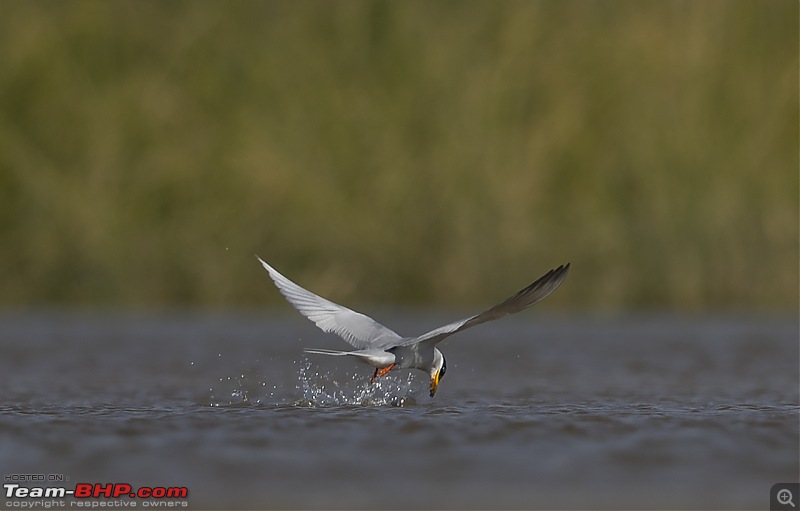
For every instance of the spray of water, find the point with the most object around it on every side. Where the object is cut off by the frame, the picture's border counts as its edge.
(324, 389)
(249, 388)
(316, 389)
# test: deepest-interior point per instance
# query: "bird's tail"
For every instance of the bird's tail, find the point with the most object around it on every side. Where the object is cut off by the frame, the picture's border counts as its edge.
(327, 352)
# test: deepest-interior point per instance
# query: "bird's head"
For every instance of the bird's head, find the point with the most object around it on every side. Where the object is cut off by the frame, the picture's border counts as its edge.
(438, 370)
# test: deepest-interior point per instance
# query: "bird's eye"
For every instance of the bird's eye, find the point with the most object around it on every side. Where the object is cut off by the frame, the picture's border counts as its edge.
(443, 369)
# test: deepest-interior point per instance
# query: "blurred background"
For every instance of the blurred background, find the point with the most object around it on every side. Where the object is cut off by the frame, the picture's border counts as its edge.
(400, 153)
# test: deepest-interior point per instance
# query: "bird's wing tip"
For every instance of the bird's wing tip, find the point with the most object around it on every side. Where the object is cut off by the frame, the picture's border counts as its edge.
(264, 264)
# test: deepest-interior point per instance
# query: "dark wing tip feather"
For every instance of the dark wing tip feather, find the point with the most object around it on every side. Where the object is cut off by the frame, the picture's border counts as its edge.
(528, 296)
(548, 282)
(539, 289)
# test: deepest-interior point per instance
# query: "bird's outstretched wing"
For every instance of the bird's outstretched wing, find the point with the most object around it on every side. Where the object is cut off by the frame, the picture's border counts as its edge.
(542, 287)
(359, 330)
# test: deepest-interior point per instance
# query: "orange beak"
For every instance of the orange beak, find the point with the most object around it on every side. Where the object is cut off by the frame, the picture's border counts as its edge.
(435, 383)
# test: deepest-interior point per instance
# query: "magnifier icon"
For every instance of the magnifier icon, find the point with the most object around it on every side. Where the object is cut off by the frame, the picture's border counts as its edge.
(785, 497)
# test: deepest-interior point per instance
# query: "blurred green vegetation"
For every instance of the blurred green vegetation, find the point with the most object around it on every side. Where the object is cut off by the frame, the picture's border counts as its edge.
(408, 152)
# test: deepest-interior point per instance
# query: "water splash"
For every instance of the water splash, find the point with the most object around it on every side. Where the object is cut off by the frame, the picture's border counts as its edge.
(324, 390)
(249, 388)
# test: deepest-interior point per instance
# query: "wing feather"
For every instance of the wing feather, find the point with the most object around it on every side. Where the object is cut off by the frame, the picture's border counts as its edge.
(535, 292)
(359, 330)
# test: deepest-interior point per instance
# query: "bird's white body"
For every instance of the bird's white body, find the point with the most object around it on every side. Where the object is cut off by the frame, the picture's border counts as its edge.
(384, 349)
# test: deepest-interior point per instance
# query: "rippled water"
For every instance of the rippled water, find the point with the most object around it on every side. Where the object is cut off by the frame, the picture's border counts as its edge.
(641, 412)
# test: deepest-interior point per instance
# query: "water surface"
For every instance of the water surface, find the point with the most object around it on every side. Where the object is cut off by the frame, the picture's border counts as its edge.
(637, 412)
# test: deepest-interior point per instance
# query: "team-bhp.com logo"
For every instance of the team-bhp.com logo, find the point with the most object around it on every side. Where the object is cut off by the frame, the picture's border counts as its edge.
(95, 491)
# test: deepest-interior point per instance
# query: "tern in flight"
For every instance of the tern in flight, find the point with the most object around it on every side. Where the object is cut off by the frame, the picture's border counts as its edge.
(381, 347)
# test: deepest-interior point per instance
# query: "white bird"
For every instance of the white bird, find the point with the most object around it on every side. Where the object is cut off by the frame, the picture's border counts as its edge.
(384, 349)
